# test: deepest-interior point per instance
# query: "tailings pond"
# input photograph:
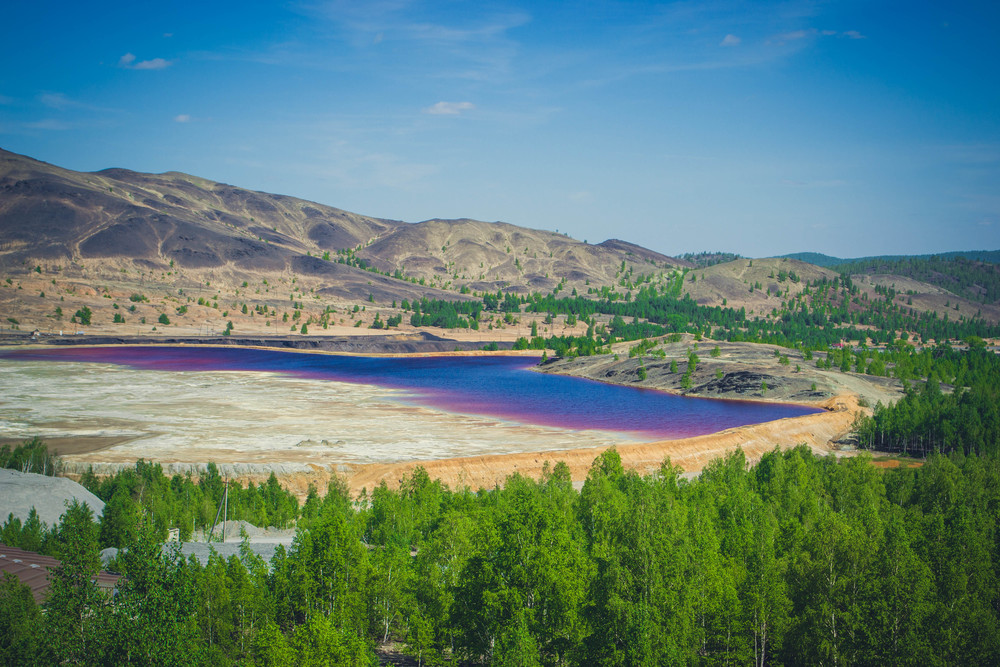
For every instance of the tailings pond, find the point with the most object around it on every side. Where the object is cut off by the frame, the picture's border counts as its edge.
(245, 405)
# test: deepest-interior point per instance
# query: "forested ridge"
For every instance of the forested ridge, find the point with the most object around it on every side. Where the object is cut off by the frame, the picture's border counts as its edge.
(974, 278)
(819, 259)
(797, 560)
(823, 314)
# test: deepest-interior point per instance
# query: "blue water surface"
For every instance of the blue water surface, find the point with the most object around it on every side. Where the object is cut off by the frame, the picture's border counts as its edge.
(494, 386)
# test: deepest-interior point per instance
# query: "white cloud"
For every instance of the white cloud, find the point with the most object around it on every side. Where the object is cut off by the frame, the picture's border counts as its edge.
(155, 63)
(182, 118)
(853, 34)
(730, 40)
(128, 61)
(449, 108)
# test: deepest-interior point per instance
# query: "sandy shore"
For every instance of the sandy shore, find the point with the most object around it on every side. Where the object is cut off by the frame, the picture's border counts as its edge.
(108, 416)
(818, 431)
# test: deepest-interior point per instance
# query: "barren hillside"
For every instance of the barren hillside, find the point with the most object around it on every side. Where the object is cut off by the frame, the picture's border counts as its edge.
(759, 285)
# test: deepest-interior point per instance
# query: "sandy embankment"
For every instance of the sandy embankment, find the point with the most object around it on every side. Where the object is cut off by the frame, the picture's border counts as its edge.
(818, 431)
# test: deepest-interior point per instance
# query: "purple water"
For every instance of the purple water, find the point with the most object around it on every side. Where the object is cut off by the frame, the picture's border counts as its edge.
(493, 386)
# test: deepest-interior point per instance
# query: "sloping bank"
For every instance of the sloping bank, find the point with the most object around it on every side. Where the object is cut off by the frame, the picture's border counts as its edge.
(819, 431)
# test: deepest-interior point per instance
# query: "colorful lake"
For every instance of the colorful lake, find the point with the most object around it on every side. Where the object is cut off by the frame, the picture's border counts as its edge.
(499, 387)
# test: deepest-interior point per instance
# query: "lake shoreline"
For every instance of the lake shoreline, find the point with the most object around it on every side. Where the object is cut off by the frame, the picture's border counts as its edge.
(820, 431)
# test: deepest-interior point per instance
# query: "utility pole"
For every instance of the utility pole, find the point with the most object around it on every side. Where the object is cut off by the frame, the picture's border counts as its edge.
(225, 517)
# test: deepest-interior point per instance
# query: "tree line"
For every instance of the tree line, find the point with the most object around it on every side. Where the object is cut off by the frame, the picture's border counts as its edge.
(179, 501)
(798, 560)
(927, 419)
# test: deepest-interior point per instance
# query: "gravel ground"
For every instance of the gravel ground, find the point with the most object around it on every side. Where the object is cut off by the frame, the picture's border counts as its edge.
(202, 550)
(20, 491)
(262, 541)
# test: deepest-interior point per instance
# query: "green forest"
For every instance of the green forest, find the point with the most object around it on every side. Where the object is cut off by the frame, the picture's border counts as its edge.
(823, 314)
(796, 560)
(929, 419)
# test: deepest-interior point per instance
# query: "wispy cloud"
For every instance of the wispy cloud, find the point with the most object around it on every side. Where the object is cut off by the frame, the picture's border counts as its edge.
(683, 36)
(183, 118)
(49, 124)
(794, 35)
(834, 183)
(812, 33)
(62, 102)
(6, 100)
(351, 167)
(57, 101)
(449, 108)
(473, 45)
(128, 61)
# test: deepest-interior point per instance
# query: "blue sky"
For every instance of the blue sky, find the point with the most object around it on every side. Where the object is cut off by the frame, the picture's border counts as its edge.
(850, 128)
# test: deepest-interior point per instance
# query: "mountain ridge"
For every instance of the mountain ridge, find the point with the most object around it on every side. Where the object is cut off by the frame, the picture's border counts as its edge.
(209, 254)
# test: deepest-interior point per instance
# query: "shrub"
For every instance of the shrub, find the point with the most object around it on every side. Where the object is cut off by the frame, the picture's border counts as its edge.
(83, 315)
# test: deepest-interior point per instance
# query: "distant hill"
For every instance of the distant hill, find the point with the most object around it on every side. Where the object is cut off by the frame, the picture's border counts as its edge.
(204, 254)
(125, 252)
(127, 220)
(973, 274)
(819, 259)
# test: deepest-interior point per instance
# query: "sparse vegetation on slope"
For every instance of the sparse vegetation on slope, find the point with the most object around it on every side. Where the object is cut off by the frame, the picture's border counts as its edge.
(973, 280)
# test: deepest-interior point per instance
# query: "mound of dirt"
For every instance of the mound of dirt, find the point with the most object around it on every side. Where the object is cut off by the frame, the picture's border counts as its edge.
(20, 491)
